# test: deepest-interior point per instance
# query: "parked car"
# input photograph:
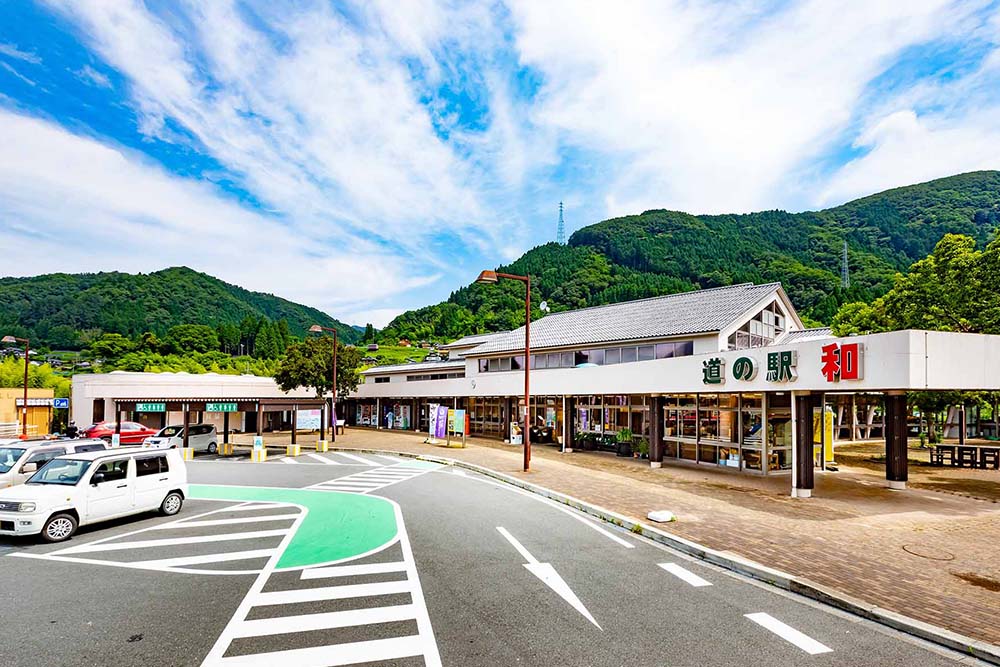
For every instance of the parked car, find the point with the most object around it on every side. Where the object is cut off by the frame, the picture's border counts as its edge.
(132, 433)
(80, 489)
(201, 437)
(19, 459)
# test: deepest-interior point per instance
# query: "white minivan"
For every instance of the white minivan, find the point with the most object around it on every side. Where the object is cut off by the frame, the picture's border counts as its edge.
(19, 459)
(80, 489)
(201, 438)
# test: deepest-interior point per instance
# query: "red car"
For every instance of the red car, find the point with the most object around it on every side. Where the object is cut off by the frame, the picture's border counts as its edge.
(133, 433)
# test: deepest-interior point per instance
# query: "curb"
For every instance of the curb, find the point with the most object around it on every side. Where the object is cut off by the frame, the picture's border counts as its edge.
(734, 562)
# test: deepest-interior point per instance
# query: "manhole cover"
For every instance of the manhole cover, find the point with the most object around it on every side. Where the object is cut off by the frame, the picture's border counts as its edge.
(925, 551)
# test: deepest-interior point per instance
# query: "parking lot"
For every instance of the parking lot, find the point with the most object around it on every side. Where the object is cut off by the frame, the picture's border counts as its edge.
(352, 558)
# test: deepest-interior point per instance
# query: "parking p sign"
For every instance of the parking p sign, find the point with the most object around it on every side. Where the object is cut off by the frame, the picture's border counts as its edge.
(60, 403)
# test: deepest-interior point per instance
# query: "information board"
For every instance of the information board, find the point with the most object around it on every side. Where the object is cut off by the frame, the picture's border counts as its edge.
(220, 407)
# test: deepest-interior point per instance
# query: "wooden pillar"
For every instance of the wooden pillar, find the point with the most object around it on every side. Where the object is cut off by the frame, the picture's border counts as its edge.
(803, 443)
(322, 422)
(295, 422)
(570, 419)
(961, 425)
(187, 425)
(225, 427)
(118, 417)
(655, 434)
(260, 419)
(896, 464)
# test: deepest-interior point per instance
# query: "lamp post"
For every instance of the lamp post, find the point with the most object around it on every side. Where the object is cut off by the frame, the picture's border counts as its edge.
(333, 401)
(24, 406)
(488, 278)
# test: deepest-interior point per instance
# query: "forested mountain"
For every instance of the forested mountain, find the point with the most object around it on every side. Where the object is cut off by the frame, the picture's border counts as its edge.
(660, 252)
(69, 311)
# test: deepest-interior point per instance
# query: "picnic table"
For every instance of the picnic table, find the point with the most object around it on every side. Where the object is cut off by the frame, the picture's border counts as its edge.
(966, 456)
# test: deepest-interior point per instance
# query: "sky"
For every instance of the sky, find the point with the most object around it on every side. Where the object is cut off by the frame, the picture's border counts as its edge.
(369, 157)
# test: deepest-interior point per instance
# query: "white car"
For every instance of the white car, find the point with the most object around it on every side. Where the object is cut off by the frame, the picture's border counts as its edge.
(80, 489)
(201, 437)
(20, 458)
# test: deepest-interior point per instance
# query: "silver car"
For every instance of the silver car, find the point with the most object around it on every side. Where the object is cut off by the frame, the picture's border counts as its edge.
(201, 437)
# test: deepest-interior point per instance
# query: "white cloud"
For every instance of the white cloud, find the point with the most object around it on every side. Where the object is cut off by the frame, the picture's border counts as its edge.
(377, 317)
(14, 52)
(72, 204)
(92, 76)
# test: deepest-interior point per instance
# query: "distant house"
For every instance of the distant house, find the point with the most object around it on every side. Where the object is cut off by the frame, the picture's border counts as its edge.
(372, 347)
(403, 342)
(424, 344)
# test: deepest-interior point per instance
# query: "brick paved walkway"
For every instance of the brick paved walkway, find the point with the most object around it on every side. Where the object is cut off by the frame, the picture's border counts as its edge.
(932, 556)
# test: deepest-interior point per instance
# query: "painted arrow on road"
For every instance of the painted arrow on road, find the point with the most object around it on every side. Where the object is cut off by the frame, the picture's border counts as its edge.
(549, 577)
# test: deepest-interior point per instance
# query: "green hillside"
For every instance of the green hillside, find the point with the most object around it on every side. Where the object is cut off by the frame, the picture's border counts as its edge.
(67, 311)
(660, 252)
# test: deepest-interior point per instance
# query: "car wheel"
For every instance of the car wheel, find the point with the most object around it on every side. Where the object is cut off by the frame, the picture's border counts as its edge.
(172, 504)
(106, 439)
(59, 527)
(212, 448)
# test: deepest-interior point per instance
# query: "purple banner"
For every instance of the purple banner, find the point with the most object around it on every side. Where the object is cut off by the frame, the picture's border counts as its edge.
(442, 422)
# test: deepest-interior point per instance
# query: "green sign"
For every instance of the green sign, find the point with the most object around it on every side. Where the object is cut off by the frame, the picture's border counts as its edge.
(781, 366)
(745, 369)
(220, 407)
(713, 371)
(150, 407)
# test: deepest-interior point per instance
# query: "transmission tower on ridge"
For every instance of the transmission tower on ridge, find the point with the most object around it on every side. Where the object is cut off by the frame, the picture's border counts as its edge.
(845, 270)
(561, 229)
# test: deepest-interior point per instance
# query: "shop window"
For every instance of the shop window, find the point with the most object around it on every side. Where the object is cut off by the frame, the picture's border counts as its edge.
(664, 350)
(555, 360)
(596, 357)
(380, 380)
(581, 357)
(567, 360)
(646, 352)
(538, 360)
(613, 356)
(684, 348)
(628, 355)
(505, 364)
(517, 363)
(483, 365)
(494, 365)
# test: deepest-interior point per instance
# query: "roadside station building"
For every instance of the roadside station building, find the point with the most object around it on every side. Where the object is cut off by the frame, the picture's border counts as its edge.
(722, 377)
(39, 411)
(242, 403)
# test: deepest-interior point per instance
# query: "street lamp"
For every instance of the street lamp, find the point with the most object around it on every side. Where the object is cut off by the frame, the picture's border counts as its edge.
(488, 278)
(24, 406)
(333, 401)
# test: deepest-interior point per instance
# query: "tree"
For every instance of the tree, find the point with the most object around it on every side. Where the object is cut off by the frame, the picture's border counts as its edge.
(268, 344)
(191, 338)
(310, 364)
(369, 335)
(111, 346)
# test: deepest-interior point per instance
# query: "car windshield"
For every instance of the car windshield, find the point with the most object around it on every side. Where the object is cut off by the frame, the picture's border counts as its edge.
(170, 431)
(60, 471)
(8, 457)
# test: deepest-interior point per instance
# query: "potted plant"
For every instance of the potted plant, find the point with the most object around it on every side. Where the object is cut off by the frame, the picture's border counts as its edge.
(623, 442)
(642, 448)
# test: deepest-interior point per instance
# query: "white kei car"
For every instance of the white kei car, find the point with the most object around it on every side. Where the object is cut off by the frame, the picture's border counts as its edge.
(19, 459)
(80, 489)
(201, 438)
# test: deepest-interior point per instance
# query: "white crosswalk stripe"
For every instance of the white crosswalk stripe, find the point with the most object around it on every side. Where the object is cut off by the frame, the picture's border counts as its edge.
(380, 615)
(358, 459)
(371, 480)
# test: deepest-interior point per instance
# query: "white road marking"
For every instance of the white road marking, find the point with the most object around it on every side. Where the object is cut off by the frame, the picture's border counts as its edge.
(287, 459)
(182, 561)
(323, 459)
(371, 480)
(225, 522)
(344, 653)
(357, 458)
(549, 577)
(789, 634)
(146, 544)
(394, 459)
(588, 522)
(352, 570)
(685, 575)
(378, 650)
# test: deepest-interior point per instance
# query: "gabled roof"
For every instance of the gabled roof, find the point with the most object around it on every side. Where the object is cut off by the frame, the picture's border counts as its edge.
(470, 341)
(699, 311)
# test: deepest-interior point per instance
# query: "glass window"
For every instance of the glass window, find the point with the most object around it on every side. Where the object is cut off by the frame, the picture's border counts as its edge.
(684, 348)
(555, 360)
(114, 471)
(483, 365)
(646, 352)
(381, 379)
(538, 360)
(613, 355)
(150, 465)
(664, 350)
(689, 423)
(596, 357)
(581, 357)
(41, 457)
(60, 471)
(494, 365)
(505, 364)
(567, 359)
(517, 363)
(9, 456)
(628, 355)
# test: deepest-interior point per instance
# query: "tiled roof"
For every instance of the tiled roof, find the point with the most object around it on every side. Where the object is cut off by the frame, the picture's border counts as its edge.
(414, 367)
(469, 341)
(699, 311)
(807, 334)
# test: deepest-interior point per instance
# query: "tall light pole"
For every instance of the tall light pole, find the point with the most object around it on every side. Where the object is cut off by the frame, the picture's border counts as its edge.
(333, 402)
(488, 278)
(24, 406)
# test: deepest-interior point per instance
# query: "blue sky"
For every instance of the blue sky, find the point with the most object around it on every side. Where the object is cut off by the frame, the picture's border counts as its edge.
(370, 157)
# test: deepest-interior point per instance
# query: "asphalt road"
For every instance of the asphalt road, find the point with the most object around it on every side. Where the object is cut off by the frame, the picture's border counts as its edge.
(382, 561)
